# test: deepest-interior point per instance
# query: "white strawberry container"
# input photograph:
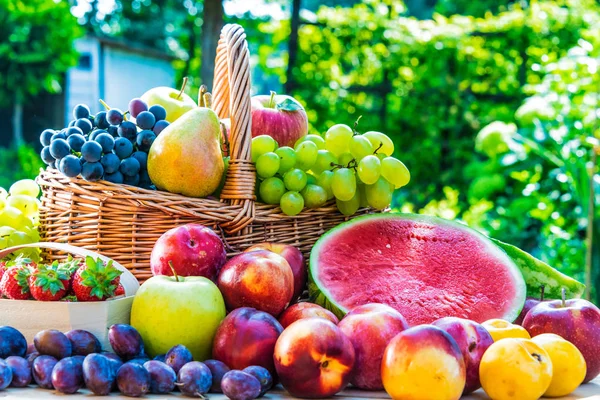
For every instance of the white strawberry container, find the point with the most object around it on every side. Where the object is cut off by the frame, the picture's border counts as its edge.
(31, 316)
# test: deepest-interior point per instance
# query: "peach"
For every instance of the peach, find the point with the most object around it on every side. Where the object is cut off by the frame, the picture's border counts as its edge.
(423, 363)
(259, 279)
(305, 310)
(247, 337)
(501, 329)
(370, 328)
(294, 257)
(473, 340)
(515, 369)
(568, 364)
(313, 358)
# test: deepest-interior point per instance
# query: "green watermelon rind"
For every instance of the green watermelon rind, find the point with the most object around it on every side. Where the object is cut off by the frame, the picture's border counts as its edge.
(537, 273)
(321, 296)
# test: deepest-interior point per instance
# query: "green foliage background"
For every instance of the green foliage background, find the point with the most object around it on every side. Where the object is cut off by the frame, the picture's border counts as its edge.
(431, 84)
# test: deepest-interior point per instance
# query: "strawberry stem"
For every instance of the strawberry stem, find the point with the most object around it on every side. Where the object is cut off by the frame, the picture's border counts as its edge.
(174, 273)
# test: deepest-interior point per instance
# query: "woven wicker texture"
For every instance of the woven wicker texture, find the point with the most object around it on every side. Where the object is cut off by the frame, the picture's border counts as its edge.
(123, 222)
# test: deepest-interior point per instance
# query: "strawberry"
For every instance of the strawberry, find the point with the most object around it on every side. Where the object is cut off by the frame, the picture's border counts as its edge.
(14, 283)
(96, 280)
(49, 282)
(120, 290)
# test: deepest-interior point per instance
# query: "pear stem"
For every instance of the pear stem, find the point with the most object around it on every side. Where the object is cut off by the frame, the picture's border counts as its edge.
(563, 295)
(272, 99)
(542, 292)
(201, 92)
(185, 79)
(173, 270)
(207, 100)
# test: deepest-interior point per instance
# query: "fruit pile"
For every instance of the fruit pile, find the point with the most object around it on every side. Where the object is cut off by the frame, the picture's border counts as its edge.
(357, 170)
(74, 360)
(106, 145)
(71, 280)
(19, 216)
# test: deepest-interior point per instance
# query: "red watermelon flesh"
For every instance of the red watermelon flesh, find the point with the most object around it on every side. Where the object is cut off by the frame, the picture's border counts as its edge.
(425, 267)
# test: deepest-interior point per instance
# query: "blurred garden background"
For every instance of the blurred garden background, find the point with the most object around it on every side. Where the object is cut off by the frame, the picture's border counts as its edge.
(494, 105)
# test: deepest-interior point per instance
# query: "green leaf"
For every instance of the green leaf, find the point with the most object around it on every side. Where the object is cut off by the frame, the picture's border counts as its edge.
(289, 105)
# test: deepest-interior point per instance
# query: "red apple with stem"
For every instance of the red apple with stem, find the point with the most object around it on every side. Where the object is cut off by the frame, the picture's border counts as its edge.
(194, 250)
(530, 302)
(280, 117)
(575, 320)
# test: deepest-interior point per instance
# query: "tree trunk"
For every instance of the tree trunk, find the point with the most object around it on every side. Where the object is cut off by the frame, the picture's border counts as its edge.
(293, 46)
(211, 30)
(18, 124)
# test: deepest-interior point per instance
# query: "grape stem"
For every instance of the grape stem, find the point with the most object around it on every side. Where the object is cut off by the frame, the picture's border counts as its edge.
(201, 92)
(378, 147)
(104, 104)
(352, 164)
(356, 126)
(185, 79)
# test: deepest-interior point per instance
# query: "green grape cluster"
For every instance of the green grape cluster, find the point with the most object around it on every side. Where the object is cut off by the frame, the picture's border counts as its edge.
(357, 170)
(19, 216)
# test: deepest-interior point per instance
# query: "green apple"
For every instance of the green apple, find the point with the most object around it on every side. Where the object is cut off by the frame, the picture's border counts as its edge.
(172, 310)
(173, 100)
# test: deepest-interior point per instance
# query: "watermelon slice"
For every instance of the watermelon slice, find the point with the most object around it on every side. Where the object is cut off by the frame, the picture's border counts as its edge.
(425, 267)
(537, 274)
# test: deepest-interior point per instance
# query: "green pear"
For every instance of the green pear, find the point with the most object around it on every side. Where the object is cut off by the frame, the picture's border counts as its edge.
(186, 157)
(173, 100)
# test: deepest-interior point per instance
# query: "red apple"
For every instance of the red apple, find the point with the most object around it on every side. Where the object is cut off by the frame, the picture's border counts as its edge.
(193, 249)
(247, 337)
(370, 328)
(530, 302)
(305, 310)
(473, 340)
(260, 279)
(313, 358)
(575, 320)
(280, 117)
(294, 257)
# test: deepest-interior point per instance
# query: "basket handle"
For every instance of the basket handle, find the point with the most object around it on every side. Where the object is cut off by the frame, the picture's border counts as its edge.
(129, 282)
(231, 99)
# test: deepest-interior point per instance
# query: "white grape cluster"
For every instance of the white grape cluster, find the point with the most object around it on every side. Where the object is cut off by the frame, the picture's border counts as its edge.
(19, 215)
(358, 170)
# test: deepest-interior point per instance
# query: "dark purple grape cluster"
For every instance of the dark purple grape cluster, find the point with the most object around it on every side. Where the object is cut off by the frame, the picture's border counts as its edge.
(107, 146)
(75, 360)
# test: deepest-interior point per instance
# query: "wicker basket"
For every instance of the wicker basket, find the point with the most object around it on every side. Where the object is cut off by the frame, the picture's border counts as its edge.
(123, 222)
